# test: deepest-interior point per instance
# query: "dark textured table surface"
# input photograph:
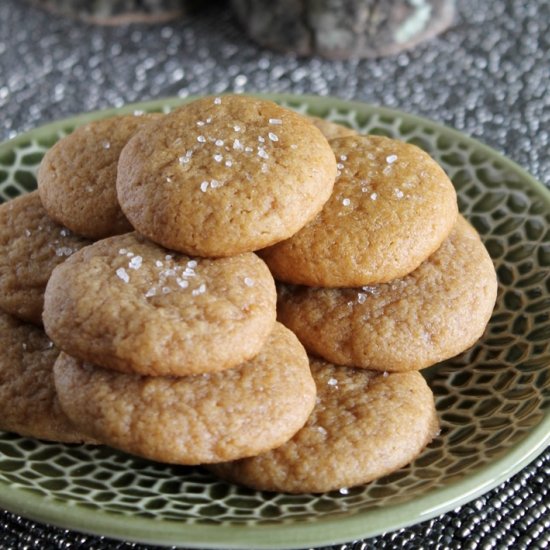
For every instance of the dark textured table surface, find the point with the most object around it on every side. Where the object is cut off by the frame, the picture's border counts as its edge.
(487, 76)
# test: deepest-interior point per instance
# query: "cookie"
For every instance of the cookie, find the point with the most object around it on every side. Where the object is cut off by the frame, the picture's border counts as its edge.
(28, 401)
(77, 176)
(31, 245)
(332, 130)
(131, 305)
(194, 419)
(222, 176)
(392, 207)
(436, 312)
(365, 425)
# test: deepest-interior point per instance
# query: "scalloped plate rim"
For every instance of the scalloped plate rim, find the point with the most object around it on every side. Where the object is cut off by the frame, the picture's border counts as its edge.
(285, 535)
(339, 527)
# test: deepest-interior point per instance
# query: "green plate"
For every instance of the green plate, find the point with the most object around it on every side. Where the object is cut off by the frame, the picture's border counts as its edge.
(492, 400)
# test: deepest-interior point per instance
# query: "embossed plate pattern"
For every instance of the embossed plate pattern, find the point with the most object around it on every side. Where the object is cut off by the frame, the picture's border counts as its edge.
(492, 400)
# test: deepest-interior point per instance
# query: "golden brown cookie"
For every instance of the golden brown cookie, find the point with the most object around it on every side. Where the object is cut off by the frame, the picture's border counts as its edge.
(31, 245)
(392, 207)
(131, 305)
(194, 419)
(28, 401)
(332, 130)
(436, 312)
(77, 176)
(365, 425)
(221, 176)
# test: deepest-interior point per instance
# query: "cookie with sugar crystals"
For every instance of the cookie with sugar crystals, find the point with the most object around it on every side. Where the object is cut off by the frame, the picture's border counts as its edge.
(77, 176)
(28, 401)
(365, 425)
(31, 245)
(432, 314)
(392, 206)
(194, 419)
(133, 306)
(332, 130)
(221, 176)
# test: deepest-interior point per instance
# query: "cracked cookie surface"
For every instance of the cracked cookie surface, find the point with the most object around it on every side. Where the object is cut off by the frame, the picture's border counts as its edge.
(432, 314)
(133, 306)
(194, 419)
(221, 176)
(77, 176)
(28, 400)
(392, 206)
(31, 246)
(365, 425)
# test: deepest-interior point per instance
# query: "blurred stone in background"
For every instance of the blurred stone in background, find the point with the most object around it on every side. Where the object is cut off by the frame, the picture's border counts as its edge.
(116, 12)
(334, 29)
(339, 29)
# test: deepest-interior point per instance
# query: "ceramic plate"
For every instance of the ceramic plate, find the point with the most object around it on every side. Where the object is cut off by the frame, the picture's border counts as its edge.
(492, 400)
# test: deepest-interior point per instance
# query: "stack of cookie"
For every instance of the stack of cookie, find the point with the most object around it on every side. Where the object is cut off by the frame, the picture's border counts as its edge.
(386, 280)
(170, 347)
(396, 279)
(78, 190)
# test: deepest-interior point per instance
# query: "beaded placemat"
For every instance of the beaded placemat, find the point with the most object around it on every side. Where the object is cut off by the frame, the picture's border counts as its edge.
(486, 76)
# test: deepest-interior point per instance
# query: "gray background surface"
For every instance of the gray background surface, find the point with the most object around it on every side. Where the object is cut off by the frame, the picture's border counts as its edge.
(487, 76)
